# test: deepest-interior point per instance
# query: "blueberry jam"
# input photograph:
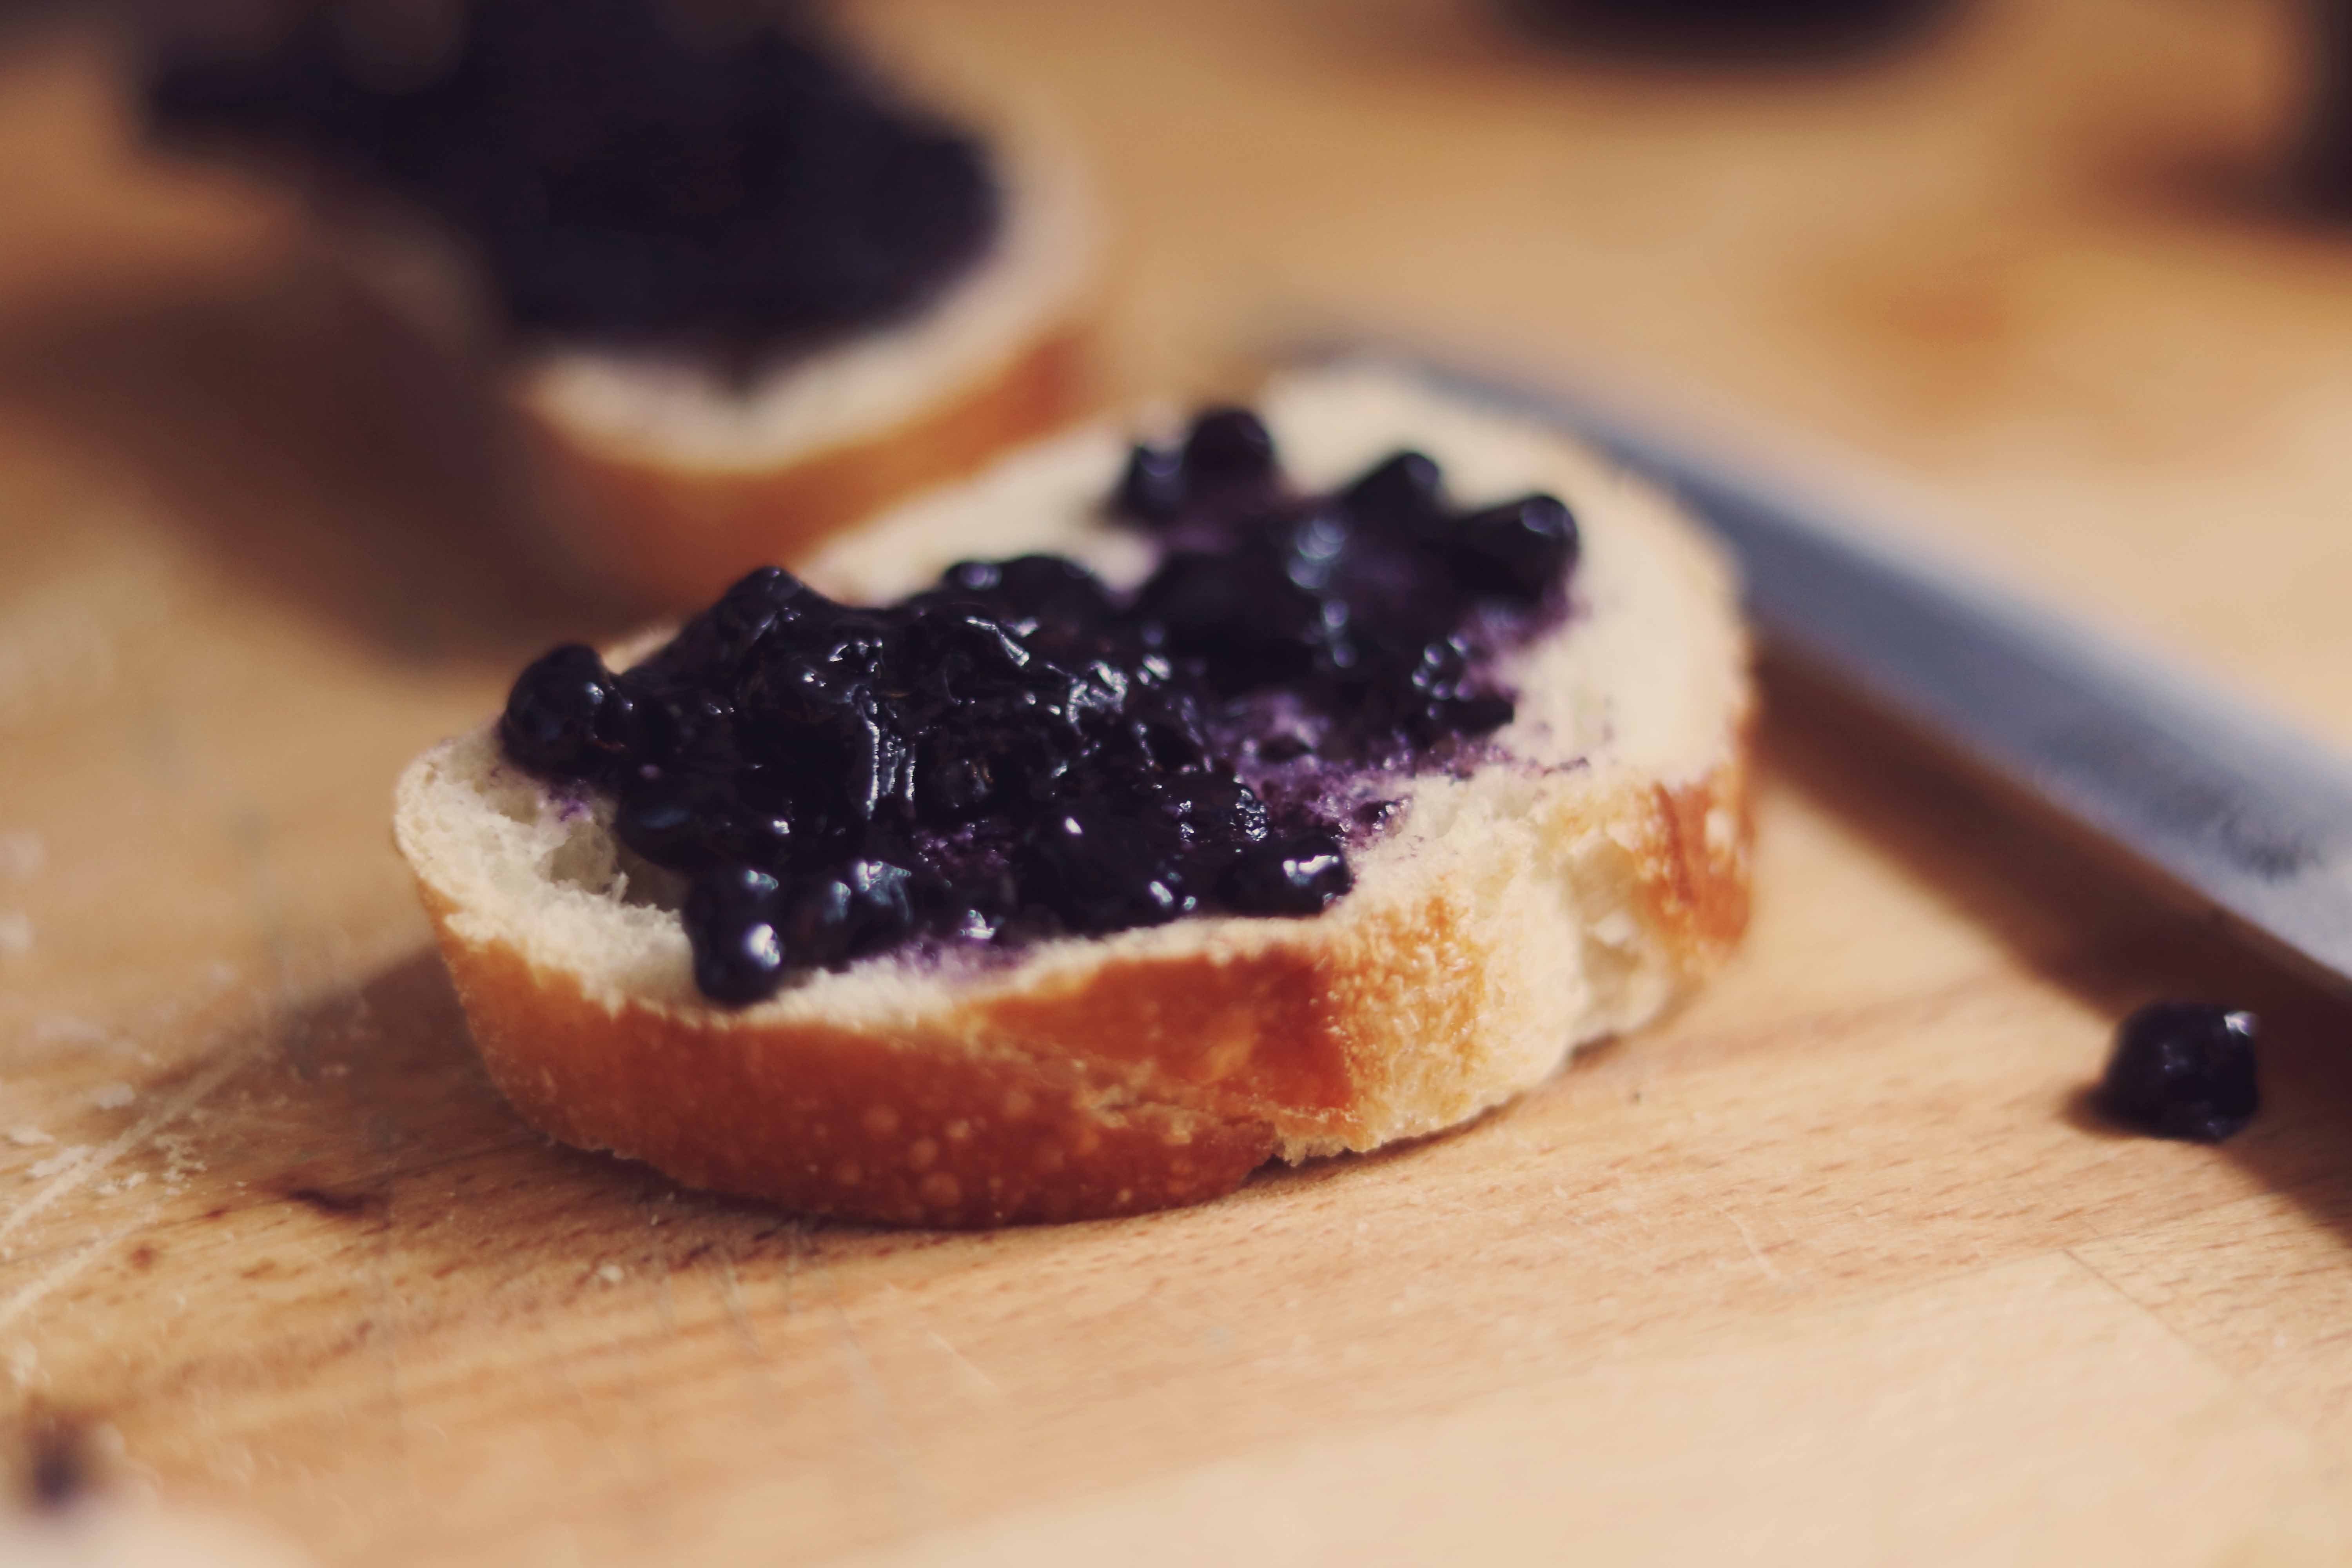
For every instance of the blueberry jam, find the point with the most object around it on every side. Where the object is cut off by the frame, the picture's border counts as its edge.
(1021, 751)
(2183, 1069)
(623, 177)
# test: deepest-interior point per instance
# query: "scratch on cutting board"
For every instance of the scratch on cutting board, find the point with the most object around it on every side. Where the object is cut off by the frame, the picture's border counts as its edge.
(589, 1410)
(388, 1311)
(95, 1163)
(916, 1495)
(244, 830)
(731, 1290)
(986, 1383)
(747, 1335)
(1754, 1251)
(66, 1268)
(648, 1426)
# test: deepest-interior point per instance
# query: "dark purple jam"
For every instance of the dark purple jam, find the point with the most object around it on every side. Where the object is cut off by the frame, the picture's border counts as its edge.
(1729, 30)
(1019, 751)
(58, 1472)
(2183, 1069)
(623, 177)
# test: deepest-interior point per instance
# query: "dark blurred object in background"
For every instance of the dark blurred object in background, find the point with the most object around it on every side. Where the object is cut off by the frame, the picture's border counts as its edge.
(622, 174)
(1729, 30)
(2322, 174)
(249, 21)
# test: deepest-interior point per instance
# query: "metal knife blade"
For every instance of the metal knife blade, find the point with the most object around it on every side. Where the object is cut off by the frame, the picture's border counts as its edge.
(2227, 800)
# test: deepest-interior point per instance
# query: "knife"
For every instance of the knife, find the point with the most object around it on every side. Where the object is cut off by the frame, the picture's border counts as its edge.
(2195, 782)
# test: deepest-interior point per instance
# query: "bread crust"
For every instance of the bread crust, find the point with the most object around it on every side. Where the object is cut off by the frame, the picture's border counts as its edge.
(674, 534)
(1147, 1085)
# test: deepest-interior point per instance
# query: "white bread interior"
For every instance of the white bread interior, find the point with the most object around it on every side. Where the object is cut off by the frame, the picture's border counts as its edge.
(1507, 917)
(656, 406)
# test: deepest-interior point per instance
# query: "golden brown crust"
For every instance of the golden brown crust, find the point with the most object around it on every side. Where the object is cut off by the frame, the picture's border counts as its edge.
(1696, 872)
(905, 1129)
(675, 535)
(1141, 1085)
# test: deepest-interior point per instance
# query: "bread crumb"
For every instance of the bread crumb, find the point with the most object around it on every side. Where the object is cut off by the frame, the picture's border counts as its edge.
(178, 1163)
(15, 933)
(29, 1137)
(113, 1096)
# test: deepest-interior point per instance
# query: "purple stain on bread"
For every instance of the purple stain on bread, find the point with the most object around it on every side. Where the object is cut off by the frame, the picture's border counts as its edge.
(1018, 751)
(624, 175)
(57, 1470)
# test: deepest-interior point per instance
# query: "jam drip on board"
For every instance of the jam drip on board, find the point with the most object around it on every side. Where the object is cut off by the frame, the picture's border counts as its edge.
(2183, 1069)
(623, 177)
(1019, 751)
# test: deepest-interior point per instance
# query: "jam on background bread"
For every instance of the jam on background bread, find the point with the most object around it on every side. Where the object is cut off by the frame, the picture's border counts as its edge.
(741, 290)
(1510, 914)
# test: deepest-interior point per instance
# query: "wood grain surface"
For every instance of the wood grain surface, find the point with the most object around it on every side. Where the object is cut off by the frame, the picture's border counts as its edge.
(1832, 1267)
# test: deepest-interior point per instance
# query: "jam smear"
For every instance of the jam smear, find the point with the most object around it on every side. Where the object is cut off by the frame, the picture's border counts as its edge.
(623, 177)
(2183, 1069)
(1727, 31)
(1019, 751)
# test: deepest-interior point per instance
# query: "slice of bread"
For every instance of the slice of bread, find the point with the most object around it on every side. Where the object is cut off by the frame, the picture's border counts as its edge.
(1566, 894)
(659, 474)
(667, 481)
(658, 479)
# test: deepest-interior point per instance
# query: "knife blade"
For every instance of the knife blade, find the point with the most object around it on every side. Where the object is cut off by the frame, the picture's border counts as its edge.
(2199, 783)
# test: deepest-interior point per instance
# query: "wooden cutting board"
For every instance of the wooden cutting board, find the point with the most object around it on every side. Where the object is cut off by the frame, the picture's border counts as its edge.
(1832, 1267)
